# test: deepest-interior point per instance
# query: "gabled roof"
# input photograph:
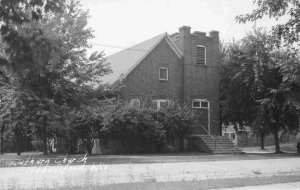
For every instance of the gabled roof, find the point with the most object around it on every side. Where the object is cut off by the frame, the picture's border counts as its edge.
(123, 62)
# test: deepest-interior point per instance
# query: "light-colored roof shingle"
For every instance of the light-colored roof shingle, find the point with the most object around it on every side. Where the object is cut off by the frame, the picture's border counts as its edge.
(123, 62)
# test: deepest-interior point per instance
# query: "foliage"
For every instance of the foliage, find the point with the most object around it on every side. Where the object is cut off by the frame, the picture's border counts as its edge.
(46, 44)
(86, 124)
(132, 126)
(289, 31)
(237, 105)
(260, 74)
(146, 127)
(177, 120)
(37, 145)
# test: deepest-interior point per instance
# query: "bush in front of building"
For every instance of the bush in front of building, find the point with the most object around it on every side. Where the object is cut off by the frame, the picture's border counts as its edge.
(37, 145)
(134, 128)
(146, 130)
(178, 122)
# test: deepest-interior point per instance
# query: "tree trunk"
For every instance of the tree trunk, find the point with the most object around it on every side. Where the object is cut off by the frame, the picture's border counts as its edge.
(18, 140)
(88, 151)
(262, 141)
(298, 135)
(25, 143)
(277, 147)
(2, 139)
(44, 136)
(88, 146)
(182, 143)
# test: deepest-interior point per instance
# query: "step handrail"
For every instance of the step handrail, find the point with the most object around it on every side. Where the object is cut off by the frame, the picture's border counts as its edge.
(215, 140)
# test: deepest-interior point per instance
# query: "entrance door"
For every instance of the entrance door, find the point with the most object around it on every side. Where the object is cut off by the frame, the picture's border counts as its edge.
(201, 109)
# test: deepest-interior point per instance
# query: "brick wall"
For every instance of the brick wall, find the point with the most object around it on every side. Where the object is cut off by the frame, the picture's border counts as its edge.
(143, 81)
(187, 81)
(200, 81)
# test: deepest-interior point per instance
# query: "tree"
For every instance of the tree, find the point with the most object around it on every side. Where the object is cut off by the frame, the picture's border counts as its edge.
(288, 31)
(237, 104)
(259, 69)
(47, 44)
(260, 126)
(24, 51)
(86, 124)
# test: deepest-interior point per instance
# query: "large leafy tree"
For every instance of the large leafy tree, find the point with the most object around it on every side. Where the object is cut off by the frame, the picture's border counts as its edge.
(237, 104)
(46, 43)
(276, 9)
(259, 72)
(286, 33)
(26, 52)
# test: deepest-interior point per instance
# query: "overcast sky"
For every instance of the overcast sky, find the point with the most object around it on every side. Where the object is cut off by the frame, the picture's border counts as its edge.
(123, 23)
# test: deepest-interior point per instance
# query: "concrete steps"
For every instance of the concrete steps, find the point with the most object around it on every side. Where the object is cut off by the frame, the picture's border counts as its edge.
(214, 144)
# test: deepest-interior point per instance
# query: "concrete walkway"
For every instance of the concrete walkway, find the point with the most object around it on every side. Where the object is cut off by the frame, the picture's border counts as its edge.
(70, 176)
(279, 186)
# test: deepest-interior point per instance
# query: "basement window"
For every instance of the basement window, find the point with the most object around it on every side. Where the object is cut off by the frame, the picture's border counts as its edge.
(200, 55)
(161, 103)
(135, 102)
(200, 103)
(163, 73)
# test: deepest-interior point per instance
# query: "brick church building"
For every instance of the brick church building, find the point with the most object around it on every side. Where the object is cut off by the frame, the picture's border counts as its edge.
(181, 67)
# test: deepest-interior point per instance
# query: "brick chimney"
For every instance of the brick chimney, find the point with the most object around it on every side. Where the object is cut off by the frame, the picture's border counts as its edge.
(214, 35)
(184, 31)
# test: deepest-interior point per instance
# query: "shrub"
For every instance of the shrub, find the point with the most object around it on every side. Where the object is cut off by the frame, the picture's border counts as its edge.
(146, 129)
(134, 127)
(37, 145)
(178, 121)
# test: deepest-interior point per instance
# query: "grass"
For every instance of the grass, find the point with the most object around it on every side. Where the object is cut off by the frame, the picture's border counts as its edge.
(125, 159)
(287, 148)
(11, 159)
(186, 185)
(150, 181)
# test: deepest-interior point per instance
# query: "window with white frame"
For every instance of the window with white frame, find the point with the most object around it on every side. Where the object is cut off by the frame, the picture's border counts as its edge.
(200, 103)
(161, 103)
(200, 55)
(135, 102)
(163, 73)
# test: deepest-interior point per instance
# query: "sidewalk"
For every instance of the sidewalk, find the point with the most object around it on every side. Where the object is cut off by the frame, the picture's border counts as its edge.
(279, 186)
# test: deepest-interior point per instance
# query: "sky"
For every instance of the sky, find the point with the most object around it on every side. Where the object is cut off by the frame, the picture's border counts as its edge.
(120, 24)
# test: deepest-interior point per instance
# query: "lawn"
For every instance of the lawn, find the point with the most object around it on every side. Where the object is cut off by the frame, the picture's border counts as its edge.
(287, 148)
(167, 171)
(186, 185)
(37, 159)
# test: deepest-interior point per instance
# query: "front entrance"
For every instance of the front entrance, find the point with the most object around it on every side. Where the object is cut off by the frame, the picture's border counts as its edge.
(201, 109)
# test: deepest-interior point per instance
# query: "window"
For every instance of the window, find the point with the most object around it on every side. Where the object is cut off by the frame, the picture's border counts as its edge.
(135, 102)
(163, 73)
(161, 103)
(200, 103)
(200, 55)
